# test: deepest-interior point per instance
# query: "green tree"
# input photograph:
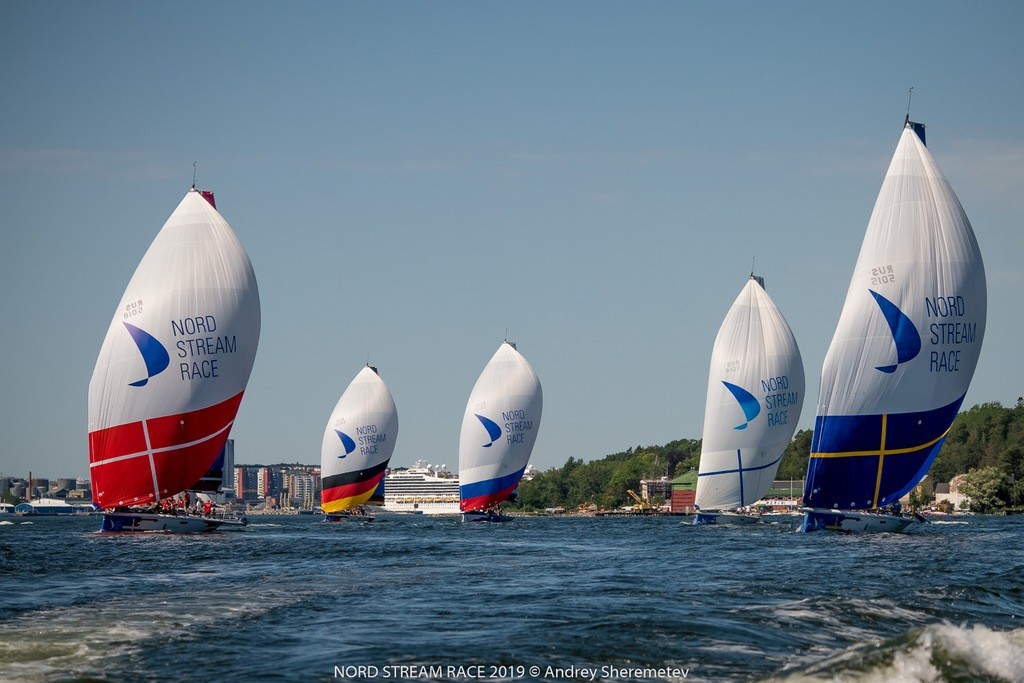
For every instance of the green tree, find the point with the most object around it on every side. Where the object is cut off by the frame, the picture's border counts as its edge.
(987, 488)
(987, 436)
(794, 460)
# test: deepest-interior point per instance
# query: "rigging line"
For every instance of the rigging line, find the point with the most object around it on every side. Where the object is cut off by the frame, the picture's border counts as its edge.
(739, 458)
(881, 461)
(910, 94)
(152, 461)
(194, 174)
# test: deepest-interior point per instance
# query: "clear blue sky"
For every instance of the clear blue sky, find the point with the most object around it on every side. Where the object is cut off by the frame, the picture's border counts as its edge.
(411, 179)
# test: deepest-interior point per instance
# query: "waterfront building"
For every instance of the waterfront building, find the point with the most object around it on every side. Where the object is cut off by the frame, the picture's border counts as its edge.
(247, 483)
(263, 481)
(302, 487)
(785, 495)
(651, 489)
(684, 492)
(39, 487)
(949, 494)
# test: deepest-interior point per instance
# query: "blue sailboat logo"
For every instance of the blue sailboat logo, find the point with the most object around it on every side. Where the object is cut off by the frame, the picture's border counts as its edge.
(153, 353)
(493, 430)
(748, 402)
(904, 333)
(346, 441)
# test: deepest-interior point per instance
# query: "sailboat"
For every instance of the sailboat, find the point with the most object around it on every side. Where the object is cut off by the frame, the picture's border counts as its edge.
(499, 429)
(904, 351)
(172, 370)
(357, 445)
(755, 395)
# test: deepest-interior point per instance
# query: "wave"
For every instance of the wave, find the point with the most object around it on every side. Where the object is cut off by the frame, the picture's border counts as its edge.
(938, 652)
(105, 640)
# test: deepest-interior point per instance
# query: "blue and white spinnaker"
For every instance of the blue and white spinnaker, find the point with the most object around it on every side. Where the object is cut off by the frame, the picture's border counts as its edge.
(905, 348)
(755, 394)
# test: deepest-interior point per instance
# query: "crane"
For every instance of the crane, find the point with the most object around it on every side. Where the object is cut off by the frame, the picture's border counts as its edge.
(640, 504)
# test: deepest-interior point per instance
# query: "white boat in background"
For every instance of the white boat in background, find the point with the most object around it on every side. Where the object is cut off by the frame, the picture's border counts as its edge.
(904, 351)
(52, 506)
(422, 489)
(754, 398)
(357, 444)
(172, 370)
(499, 429)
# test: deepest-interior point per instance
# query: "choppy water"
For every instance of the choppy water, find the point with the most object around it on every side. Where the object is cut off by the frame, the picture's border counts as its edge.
(291, 598)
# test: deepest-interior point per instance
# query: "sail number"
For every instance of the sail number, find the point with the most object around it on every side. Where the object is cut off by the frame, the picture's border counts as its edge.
(882, 275)
(732, 366)
(132, 309)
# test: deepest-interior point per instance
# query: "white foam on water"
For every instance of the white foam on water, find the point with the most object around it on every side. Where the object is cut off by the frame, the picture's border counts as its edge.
(939, 652)
(66, 642)
(976, 650)
(995, 653)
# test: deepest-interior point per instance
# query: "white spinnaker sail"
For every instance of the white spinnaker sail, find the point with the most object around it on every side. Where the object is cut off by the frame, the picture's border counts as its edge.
(907, 342)
(755, 394)
(499, 429)
(358, 442)
(175, 360)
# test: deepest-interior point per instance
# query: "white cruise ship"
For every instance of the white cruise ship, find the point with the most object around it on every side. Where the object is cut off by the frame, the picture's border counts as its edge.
(422, 489)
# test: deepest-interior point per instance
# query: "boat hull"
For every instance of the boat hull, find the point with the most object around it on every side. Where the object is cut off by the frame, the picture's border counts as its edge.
(348, 516)
(128, 522)
(702, 518)
(383, 513)
(852, 521)
(485, 516)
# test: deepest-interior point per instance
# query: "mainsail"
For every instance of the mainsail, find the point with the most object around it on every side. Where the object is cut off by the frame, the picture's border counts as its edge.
(499, 429)
(755, 394)
(175, 361)
(358, 442)
(907, 341)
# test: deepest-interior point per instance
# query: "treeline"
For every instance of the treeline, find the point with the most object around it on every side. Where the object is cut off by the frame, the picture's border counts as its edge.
(605, 482)
(986, 436)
